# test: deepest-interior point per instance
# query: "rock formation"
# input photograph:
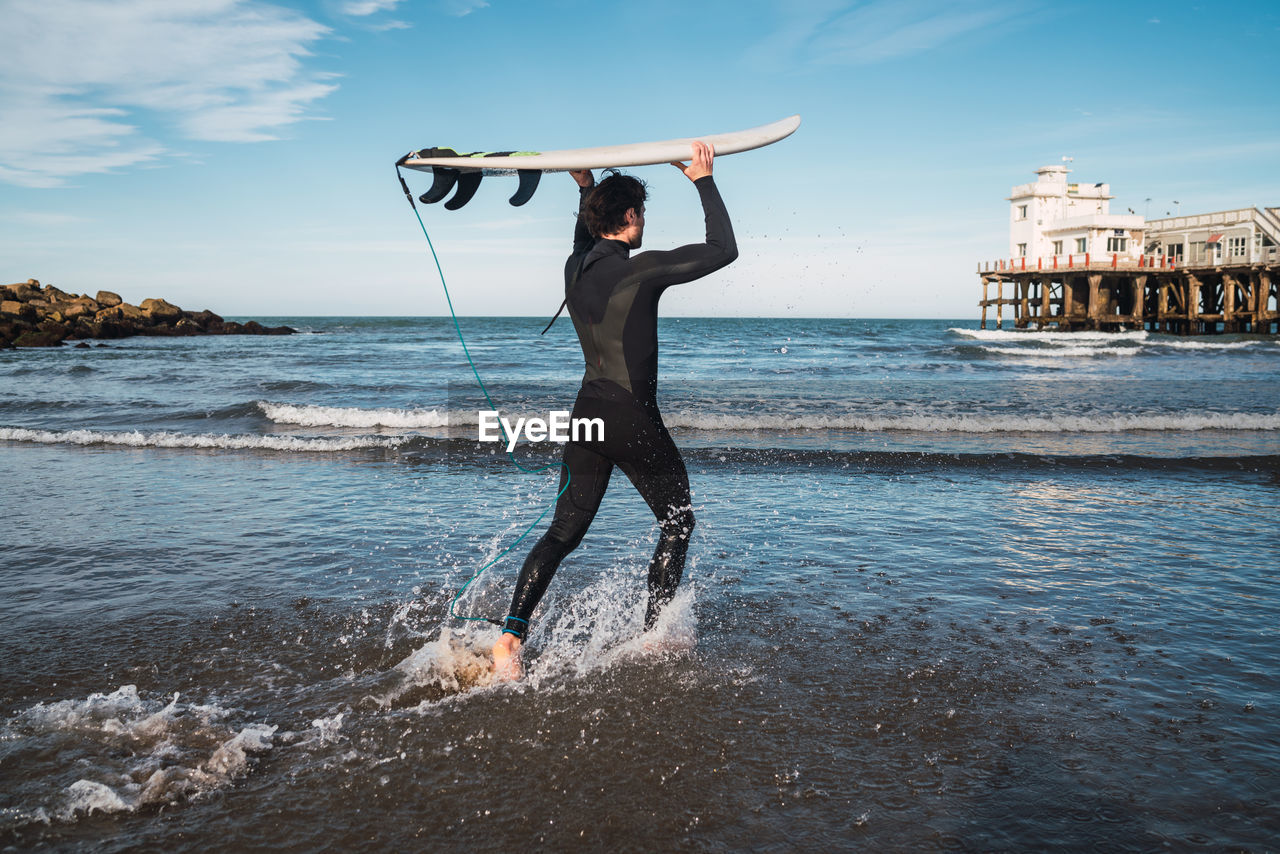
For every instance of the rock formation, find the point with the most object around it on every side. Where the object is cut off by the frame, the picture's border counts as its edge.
(32, 315)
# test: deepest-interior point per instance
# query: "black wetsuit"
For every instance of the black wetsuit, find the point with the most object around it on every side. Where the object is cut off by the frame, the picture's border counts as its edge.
(613, 301)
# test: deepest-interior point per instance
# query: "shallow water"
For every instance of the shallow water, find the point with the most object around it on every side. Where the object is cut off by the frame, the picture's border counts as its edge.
(940, 596)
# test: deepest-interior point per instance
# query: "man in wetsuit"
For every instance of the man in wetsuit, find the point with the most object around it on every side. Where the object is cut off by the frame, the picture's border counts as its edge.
(612, 298)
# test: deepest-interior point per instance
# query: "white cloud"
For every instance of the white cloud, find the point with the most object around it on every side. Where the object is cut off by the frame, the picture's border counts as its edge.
(837, 32)
(82, 77)
(368, 8)
(361, 8)
(880, 31)
(40, 132)
(44, 219)
(460, 8)
(791, 34)
(254, 120)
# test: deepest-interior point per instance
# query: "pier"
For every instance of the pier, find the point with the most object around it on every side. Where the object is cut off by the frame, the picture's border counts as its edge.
(1113, 293)
(1184, 275)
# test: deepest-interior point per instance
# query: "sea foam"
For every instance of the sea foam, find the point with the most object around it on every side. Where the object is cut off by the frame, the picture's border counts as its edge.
(1057, 352)
(350, 416)
(1103, 343)
(211, 441)
(1048, 337)
(873, 423)
(977, 423)
(717, 422)
(122, 751)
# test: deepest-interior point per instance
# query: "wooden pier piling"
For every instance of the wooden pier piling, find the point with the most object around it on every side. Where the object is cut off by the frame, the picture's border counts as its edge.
(1111, 294)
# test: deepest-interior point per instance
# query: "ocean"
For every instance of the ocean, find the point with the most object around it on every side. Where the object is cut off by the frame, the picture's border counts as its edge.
(950, 589)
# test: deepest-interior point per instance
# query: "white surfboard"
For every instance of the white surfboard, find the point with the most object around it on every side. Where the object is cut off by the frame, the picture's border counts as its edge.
(465, 170)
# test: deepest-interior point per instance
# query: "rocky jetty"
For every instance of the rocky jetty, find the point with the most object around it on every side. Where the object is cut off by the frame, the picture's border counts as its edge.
(35, 315)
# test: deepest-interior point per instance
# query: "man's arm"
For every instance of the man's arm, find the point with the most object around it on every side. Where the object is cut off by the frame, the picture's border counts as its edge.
(695, 260)
(582, 240)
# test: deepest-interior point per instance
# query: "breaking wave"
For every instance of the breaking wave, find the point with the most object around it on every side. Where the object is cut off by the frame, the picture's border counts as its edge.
(926, 423)
(211, 441)
(1048, 337)
(1185, 344)
(702, 422)
(1058, 352)
(350, 416)
(870, 423)
(1102, 343)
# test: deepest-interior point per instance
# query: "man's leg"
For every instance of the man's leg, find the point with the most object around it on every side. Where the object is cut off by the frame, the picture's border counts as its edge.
(588, 475)
(662, 480)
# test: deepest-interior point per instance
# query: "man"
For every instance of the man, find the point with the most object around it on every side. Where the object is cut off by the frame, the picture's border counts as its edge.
(613, 300)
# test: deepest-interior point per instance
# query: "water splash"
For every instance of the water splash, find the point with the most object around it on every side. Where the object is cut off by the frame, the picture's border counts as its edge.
(120, 752)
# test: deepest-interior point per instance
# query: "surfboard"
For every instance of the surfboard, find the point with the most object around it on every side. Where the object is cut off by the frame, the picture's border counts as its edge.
(451, 168)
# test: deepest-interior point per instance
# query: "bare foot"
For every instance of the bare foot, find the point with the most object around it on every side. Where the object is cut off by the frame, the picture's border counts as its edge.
(506, 658)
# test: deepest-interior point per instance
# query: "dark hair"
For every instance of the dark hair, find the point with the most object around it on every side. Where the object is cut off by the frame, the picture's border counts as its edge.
(607, 205)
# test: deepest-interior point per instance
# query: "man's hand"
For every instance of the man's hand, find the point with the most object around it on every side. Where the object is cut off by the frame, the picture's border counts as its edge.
(700, 167)
(583, 177)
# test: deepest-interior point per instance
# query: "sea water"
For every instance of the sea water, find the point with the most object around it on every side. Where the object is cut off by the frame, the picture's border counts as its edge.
(949, 588)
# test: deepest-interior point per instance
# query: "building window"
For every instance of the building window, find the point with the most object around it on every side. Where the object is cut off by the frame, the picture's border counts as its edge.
(1082, 244)
(1057, 247)
(1116, 244)
(1197, 251)
(1022, 211)
(1022, 250)
(1236, 247)
(1174, 250)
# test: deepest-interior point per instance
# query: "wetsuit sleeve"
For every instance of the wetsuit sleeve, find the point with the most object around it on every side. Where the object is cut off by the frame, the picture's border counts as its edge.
(695, 260)
(582, 240)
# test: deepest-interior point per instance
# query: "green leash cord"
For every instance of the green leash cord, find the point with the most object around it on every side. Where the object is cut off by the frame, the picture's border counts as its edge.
(568, 476)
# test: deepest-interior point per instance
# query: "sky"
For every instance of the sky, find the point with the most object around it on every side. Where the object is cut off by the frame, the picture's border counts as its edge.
(238, 155)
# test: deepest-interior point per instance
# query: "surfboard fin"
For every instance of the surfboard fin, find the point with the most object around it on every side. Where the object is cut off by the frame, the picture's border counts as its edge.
(442, 181)
(529, 179)
(468, 183)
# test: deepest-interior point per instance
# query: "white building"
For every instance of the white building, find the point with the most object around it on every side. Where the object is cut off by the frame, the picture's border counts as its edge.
(1052, 218)
(1243, 236)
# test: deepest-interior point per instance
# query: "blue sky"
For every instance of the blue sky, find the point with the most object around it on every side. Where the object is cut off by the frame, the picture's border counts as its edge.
(237, 154)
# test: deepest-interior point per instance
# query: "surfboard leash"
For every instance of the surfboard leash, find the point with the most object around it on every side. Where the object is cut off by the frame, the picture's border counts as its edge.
(485, 391)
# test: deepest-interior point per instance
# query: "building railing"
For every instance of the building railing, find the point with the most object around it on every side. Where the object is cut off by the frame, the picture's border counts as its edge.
(1116, 261)
(1227, 257)
(1079, 260)
(1219, 218)
(1265, 221)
